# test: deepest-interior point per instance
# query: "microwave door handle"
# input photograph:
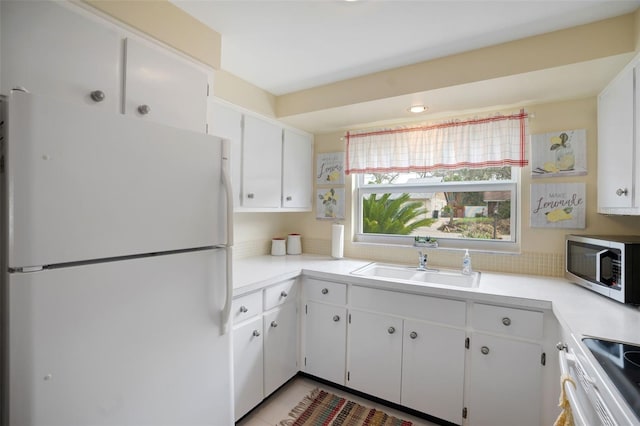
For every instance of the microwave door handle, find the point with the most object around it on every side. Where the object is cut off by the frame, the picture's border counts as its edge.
(598, 263)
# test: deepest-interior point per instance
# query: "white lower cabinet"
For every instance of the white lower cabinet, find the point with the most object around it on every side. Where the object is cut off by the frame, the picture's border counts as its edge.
(265, 343)
(247, 366)
(505, 367)
(325, 341)
(433, 369)
(280, 346)
(375, 354)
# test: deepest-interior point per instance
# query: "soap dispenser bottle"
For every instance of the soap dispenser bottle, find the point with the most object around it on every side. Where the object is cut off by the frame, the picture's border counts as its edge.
(466, 263)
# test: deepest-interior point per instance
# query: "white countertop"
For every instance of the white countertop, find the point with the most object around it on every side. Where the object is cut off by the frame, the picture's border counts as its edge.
(580, 311)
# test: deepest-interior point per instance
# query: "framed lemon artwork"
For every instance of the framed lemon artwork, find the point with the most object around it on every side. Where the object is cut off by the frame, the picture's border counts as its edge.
(562, 153)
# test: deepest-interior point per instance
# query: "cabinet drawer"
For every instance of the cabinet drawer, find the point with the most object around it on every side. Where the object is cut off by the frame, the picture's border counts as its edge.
(325, 291)
(509, 321)
(279, 294)
(445, 311)
(245, 307)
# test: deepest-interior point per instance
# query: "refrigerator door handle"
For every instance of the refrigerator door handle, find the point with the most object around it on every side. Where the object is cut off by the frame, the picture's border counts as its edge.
(226, 180)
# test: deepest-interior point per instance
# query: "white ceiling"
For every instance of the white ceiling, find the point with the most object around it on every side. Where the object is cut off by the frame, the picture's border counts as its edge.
(286, 46)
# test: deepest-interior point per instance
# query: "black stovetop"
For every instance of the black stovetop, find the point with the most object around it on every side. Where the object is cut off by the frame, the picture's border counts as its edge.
(621, 362)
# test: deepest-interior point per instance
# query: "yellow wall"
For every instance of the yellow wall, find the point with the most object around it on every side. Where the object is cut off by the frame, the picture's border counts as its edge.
(542, 249)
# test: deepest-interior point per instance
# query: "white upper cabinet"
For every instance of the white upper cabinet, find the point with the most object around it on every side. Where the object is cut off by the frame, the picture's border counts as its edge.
(297, 167)
(618, 144)
(52, 50)
(57, 49)
(162, 88)
(261, 163)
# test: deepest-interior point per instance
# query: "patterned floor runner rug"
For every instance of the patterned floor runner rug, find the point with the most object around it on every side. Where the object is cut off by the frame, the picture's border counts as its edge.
(321, 408)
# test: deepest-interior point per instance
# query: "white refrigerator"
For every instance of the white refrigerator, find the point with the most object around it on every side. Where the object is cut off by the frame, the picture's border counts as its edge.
(117, 283)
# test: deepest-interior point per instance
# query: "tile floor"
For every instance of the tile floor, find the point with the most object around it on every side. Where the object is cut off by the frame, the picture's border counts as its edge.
(277, 407)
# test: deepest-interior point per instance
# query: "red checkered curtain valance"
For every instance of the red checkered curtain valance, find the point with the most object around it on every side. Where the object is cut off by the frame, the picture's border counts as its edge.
(496, 141)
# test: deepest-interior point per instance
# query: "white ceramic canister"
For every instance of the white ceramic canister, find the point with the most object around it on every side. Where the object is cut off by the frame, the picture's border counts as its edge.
(294, 244)
(278, 247)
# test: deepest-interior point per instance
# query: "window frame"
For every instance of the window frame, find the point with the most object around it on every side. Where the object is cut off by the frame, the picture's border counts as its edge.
(513, 246)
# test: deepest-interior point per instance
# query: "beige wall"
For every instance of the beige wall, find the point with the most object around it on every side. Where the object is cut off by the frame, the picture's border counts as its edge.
(542, 249)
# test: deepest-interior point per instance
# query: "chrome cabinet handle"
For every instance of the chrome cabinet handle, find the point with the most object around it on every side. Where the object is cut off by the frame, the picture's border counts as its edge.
(256, 333)
(413, 335)
(391, 330)
(336, 318)
(244, 309)
(144, 109)
(274, 324)
(561, 346)
(506, 321)
(484, 350)
(620, 192)
(97, 96)
(283, 294)
(324, 291)
(251, 195)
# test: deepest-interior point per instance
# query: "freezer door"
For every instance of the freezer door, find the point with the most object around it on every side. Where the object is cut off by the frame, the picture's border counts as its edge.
(86, 184)
(134, 342)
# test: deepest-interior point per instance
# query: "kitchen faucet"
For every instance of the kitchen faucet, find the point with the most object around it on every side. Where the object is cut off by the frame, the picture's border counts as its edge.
(422, 261)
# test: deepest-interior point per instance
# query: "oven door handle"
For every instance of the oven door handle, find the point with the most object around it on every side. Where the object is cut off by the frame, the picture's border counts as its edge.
(579, 417)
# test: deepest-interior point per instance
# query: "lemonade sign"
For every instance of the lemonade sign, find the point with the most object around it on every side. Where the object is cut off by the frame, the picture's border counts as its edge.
(561, 205)
(330, 168)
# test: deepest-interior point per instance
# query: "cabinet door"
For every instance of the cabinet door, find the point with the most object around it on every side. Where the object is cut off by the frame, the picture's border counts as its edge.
(226, 122)
(616, 142)
(52, 50)
(261, 163)
(280, 347)
(297, 169)
(174, 92)
(505, 381)
(375, 354)
(247, 366)
(432, 370)
(325, 341)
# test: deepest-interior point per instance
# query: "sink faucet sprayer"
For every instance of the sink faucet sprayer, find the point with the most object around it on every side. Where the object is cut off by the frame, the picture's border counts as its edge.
(422, 261)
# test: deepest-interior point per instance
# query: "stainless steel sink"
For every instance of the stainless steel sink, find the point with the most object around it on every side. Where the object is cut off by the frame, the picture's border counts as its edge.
(449, 277)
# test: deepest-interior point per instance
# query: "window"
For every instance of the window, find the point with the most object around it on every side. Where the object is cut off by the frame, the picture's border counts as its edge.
(459, 208)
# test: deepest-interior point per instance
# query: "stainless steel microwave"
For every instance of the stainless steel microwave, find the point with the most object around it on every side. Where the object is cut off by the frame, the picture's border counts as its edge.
(606, 264)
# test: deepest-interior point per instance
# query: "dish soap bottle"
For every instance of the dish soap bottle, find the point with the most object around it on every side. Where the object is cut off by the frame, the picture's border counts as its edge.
(466, 263)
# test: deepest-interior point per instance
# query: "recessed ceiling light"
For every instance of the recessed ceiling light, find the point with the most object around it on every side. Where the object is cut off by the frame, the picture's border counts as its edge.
(417, 109)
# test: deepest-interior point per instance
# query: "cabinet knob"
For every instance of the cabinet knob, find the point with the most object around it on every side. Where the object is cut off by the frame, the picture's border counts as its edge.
(274, 324)
(97, 96)
(251, 195)
(144, 109)
(324, 291)
(391, 330)
(561, 346)
(289, 198)
(283, 293)
(336, 318)
(506, 321)
(484, 350)
(244, 309)
(413, 335)
(620, 192)
(256, 333)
